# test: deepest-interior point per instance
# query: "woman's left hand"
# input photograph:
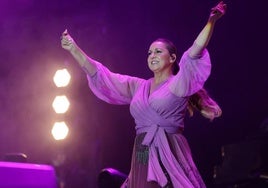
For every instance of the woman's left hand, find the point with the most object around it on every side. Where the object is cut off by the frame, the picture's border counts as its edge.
(218, 11)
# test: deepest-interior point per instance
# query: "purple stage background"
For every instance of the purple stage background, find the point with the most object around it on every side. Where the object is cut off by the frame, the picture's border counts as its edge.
(118, 33)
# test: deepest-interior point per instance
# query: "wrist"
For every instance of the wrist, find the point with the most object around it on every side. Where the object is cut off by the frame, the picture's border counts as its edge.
(73, 48)
(211, 20)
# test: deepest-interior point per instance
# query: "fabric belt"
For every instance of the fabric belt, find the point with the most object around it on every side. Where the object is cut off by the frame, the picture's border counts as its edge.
(155, 138)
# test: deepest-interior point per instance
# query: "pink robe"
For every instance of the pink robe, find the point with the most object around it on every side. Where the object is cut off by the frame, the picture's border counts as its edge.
(159, 117)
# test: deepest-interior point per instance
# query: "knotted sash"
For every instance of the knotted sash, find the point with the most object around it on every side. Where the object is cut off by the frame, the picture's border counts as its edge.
(157, 142)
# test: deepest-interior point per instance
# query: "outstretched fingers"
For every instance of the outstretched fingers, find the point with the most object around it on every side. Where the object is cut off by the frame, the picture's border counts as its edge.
(218, 11)
(220, 8)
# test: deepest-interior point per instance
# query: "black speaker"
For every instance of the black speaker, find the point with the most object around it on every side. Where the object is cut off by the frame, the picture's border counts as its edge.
(15, 157)
(243, 164)
(111, 178)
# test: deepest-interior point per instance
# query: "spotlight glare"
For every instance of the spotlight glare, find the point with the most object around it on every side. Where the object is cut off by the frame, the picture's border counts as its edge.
(61, 104)
(60, 130)
(62, 78)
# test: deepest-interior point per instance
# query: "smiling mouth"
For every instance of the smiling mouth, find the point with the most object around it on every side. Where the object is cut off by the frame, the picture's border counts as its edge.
(154, 62)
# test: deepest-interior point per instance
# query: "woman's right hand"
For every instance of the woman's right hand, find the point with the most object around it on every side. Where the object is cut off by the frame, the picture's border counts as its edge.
(67, 41)
(87, 63)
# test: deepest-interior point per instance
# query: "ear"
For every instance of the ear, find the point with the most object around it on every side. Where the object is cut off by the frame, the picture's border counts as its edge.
(173, 58)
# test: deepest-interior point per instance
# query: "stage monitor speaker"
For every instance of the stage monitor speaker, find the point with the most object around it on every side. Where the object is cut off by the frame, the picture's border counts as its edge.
(27, 175)
(110, 177)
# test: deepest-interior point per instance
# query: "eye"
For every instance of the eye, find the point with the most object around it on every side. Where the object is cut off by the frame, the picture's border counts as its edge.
(158, 51)
(149, 53)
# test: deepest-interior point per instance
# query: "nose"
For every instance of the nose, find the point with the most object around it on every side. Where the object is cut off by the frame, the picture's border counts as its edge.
(152, 55)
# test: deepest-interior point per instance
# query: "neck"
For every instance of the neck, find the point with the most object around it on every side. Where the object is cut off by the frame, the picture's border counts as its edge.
(158, 80)
(161, 77)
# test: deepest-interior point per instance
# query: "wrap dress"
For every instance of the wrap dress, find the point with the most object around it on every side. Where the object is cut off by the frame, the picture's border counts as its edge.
(161, 155)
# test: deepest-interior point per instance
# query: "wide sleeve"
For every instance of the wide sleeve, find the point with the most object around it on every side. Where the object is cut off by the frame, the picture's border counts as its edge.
(111, 87)
(192, 74)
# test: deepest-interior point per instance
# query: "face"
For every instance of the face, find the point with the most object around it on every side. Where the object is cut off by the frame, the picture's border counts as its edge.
(159, 59)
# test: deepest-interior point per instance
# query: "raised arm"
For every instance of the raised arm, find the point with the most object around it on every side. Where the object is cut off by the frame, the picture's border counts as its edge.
(87, 63)
(204, 36)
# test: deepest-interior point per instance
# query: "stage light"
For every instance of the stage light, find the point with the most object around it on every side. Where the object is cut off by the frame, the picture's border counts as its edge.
(62, 78)
(60, 130)
(61, 104)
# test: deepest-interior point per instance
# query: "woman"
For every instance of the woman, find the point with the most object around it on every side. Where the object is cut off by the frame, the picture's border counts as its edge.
(161, 155)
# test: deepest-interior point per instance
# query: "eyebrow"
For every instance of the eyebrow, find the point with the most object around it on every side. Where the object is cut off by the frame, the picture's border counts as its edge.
(157, 49)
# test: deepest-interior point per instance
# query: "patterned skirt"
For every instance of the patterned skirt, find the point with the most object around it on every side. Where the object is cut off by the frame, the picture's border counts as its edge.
(139, 165)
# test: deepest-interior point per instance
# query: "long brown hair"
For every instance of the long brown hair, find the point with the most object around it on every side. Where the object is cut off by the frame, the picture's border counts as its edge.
(199, 101)
(202, 102)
